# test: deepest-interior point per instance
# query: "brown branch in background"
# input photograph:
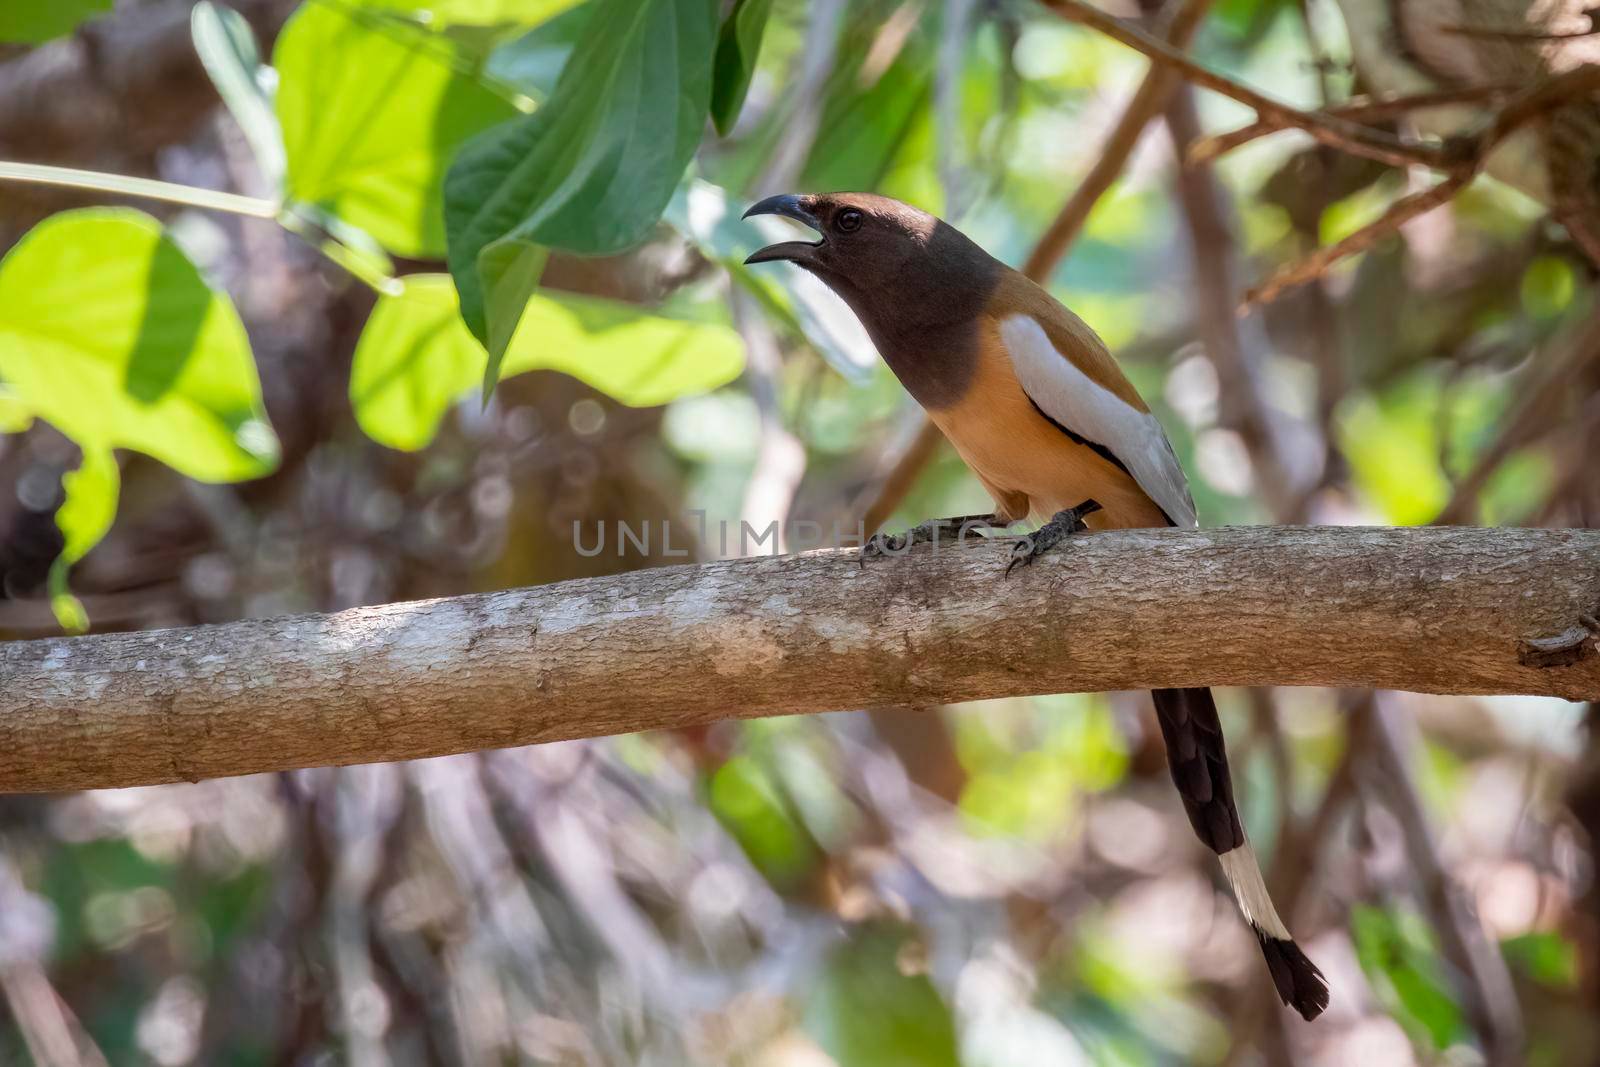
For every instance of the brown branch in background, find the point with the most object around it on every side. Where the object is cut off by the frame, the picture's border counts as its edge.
(1238, 361)
(1362, 108)
(1329, 129)
(1538, 100)
(1490, 34)
(1387, 738)
(1459, 158)
(1146, 102)
(1320, 261)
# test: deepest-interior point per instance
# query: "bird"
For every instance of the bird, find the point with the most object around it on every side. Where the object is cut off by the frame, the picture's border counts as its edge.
(1038, 409)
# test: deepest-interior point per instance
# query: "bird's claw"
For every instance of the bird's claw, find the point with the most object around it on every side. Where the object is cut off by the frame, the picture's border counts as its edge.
(881, 544)
(1061, 526)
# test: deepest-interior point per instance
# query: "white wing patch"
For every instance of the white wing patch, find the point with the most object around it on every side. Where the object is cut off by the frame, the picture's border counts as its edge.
(1096, 414)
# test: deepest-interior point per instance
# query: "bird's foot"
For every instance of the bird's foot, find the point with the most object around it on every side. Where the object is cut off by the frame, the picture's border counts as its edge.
(1061, 526)
(958, 528)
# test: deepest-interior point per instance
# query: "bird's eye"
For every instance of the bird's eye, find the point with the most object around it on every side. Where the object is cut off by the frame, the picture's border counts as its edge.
(849, 220)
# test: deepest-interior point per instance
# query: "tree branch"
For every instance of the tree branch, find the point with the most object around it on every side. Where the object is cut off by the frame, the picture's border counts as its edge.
(1329, 129)
(1444, 610)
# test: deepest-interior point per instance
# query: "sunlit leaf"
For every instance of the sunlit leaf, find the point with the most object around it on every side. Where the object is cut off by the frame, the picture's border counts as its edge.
(1547, 287)
(415, 357)
(1392, 444)
(867, 1011)
(372, 111)
(35, 21)
(227, 49)
(412, 362)
(86, 513)
(111, 335)
(592, 169)
(477, 12)
(14, 416)
(638, 359)
(738, 46)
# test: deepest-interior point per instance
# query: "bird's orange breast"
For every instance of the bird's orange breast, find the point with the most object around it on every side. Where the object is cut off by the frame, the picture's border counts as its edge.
(1030, 466)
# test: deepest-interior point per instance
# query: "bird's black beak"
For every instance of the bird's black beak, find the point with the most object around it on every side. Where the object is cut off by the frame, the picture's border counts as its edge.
(790, 206)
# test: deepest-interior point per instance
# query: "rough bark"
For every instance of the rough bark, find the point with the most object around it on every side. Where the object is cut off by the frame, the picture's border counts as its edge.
(1445, 610)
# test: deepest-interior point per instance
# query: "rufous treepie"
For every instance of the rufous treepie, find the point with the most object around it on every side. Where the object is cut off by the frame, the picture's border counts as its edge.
(1033, 402)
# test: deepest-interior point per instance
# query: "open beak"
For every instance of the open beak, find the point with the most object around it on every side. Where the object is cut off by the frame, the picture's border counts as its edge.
(790, 206)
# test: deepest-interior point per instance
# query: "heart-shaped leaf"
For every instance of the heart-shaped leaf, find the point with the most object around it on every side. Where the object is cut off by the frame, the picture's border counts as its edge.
(111, 335)
(415, 357)
(477, 12)
(372, 111)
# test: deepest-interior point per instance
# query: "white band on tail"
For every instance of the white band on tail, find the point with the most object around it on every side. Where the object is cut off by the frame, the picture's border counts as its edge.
(1239, 866)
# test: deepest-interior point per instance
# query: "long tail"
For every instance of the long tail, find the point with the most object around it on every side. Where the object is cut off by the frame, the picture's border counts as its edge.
(1199, 764)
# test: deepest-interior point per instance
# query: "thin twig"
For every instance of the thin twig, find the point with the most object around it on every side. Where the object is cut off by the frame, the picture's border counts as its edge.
(1359, 109)
(1474, 150)
(1331, 130)
(1487, 34)
(1317, 263)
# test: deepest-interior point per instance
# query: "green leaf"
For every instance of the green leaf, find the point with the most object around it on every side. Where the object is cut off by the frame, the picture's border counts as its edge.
(867, 1012)
(478, 12)
(738, 46)
(37, 21)
(1397, 952)
(416, 358)
(1392, 444)
(84, 517)
(1547, 287)
(510, 271)
(372, 110)
(111, 335)
(751, 806)
(862, 134)
(14, 416)
(227, 49)
(1545, 956)
(591, 170)
(412, 362)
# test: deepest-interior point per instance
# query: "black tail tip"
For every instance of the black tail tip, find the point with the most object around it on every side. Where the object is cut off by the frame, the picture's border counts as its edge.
(1300, 985)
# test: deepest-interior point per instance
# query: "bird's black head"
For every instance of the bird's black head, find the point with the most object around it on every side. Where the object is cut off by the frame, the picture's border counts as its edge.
(894, 264)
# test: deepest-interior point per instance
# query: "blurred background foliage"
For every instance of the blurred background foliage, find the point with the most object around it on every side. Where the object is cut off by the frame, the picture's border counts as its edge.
(262, 395)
